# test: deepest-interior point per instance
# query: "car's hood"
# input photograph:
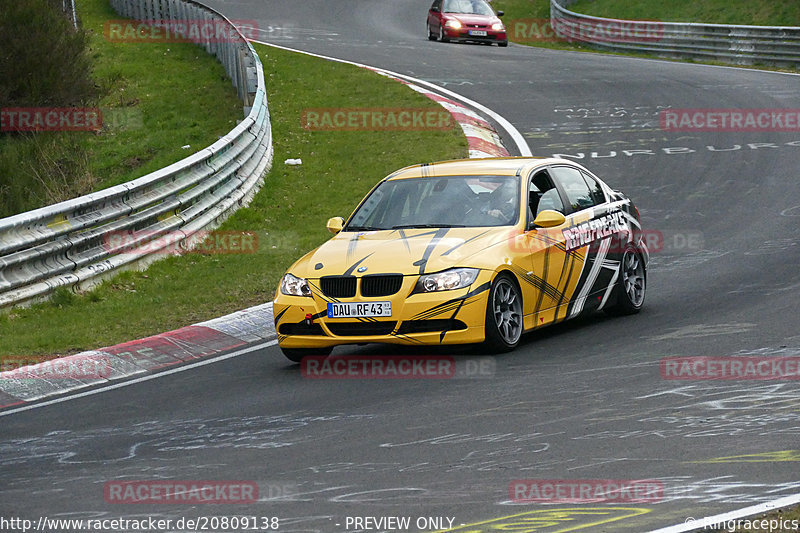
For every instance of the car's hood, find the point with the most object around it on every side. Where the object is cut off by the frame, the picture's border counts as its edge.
(403, 251)
(474, 19)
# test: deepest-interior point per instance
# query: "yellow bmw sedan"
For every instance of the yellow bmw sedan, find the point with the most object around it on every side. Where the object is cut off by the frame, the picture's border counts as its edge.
(466, 251)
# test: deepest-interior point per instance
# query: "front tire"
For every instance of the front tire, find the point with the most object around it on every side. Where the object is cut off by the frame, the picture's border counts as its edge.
(296, 355)
(431, 35)
(442, 36)
(631, 284)
(503, 315)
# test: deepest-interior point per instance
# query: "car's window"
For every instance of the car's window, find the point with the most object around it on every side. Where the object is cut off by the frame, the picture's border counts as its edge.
(598, 196)
(445, 201)
(436, 4)
(578, 194)
(542, 194)
(476, 7)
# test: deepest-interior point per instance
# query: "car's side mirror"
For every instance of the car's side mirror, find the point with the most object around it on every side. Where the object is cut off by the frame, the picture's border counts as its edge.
(435, 9)
(549, 219)
(335, 224)
(501, 13)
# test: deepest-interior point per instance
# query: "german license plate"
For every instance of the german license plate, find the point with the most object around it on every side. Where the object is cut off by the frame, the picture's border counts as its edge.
(359, 309)
(477, 33)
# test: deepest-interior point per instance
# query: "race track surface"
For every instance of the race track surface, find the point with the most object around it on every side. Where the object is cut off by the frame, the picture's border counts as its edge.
(584, 400)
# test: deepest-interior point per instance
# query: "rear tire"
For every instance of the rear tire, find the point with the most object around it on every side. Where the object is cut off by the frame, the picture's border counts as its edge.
(296, 355)
(631, 284)
(504, 324)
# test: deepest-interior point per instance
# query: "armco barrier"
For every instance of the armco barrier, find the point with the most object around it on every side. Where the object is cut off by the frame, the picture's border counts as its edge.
(722, 42)
(67, 244)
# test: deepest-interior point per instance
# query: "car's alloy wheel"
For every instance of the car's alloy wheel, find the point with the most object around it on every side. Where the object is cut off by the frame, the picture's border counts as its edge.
(296, 354)
(631, 284)
(504, 315)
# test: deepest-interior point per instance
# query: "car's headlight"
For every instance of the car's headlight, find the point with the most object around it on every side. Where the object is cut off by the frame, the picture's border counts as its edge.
(455, 278)
(498, 26)
(294, 286)
(454, 24)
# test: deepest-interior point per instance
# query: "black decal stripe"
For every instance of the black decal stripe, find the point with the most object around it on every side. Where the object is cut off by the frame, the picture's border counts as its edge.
(440, 308)
(465, 242)
(349, 271)
(404, 238)
(279, 315)
(536, 282)
(351, 245)
(438, 235)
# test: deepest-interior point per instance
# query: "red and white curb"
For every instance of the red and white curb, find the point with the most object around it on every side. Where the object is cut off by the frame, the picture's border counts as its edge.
(482, 138)
(30, 383)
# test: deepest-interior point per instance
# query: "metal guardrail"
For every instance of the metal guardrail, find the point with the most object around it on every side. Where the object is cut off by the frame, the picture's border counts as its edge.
(68, 244)
(735, 44)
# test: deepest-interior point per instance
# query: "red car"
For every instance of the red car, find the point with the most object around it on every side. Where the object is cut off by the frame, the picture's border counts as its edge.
(465, 20)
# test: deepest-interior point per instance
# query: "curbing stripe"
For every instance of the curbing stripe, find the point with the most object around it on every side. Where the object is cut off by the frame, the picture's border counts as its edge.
(718, 521)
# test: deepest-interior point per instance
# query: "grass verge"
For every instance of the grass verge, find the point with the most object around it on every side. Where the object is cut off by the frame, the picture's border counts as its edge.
(757, 12)
(156, 99)
(288, 215)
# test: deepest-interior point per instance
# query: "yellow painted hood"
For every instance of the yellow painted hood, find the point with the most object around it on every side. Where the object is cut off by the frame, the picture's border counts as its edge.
(403, 251)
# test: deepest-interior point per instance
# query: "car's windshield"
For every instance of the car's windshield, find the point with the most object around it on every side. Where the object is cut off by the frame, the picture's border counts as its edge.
(439, 202)
(475, 7)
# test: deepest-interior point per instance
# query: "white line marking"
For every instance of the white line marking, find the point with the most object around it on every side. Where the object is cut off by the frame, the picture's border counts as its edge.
(182, 368)
(703, 523)
(516, 136)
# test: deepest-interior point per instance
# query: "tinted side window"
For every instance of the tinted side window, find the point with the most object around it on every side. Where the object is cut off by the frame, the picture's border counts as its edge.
(543, 194)
(578, 194)
(598, 196)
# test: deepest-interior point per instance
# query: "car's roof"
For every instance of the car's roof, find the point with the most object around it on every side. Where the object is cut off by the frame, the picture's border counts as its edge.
(493, 166)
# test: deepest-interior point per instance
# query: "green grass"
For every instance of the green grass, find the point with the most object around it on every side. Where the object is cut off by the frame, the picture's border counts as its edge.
(161, 96)
(757, 12)
(288, 215)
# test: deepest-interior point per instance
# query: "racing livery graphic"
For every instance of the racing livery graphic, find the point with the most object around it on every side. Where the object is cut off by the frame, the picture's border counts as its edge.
(466, 251)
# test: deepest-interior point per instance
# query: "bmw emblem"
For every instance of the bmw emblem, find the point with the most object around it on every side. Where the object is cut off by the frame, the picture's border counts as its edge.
(362, 269)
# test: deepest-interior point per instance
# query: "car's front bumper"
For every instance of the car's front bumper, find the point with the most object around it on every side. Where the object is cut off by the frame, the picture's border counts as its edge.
(446, 317)
(462, 34)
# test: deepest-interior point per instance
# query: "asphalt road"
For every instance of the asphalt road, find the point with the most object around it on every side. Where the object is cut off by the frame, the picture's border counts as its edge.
(580, 401)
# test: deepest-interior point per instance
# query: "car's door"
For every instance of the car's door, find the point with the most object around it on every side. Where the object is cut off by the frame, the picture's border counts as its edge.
(593, 231)
(550, 267)
(434, 15)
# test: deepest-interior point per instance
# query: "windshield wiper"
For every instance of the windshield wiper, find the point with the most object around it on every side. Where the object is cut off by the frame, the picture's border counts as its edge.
(362, 228)
(408, 226)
